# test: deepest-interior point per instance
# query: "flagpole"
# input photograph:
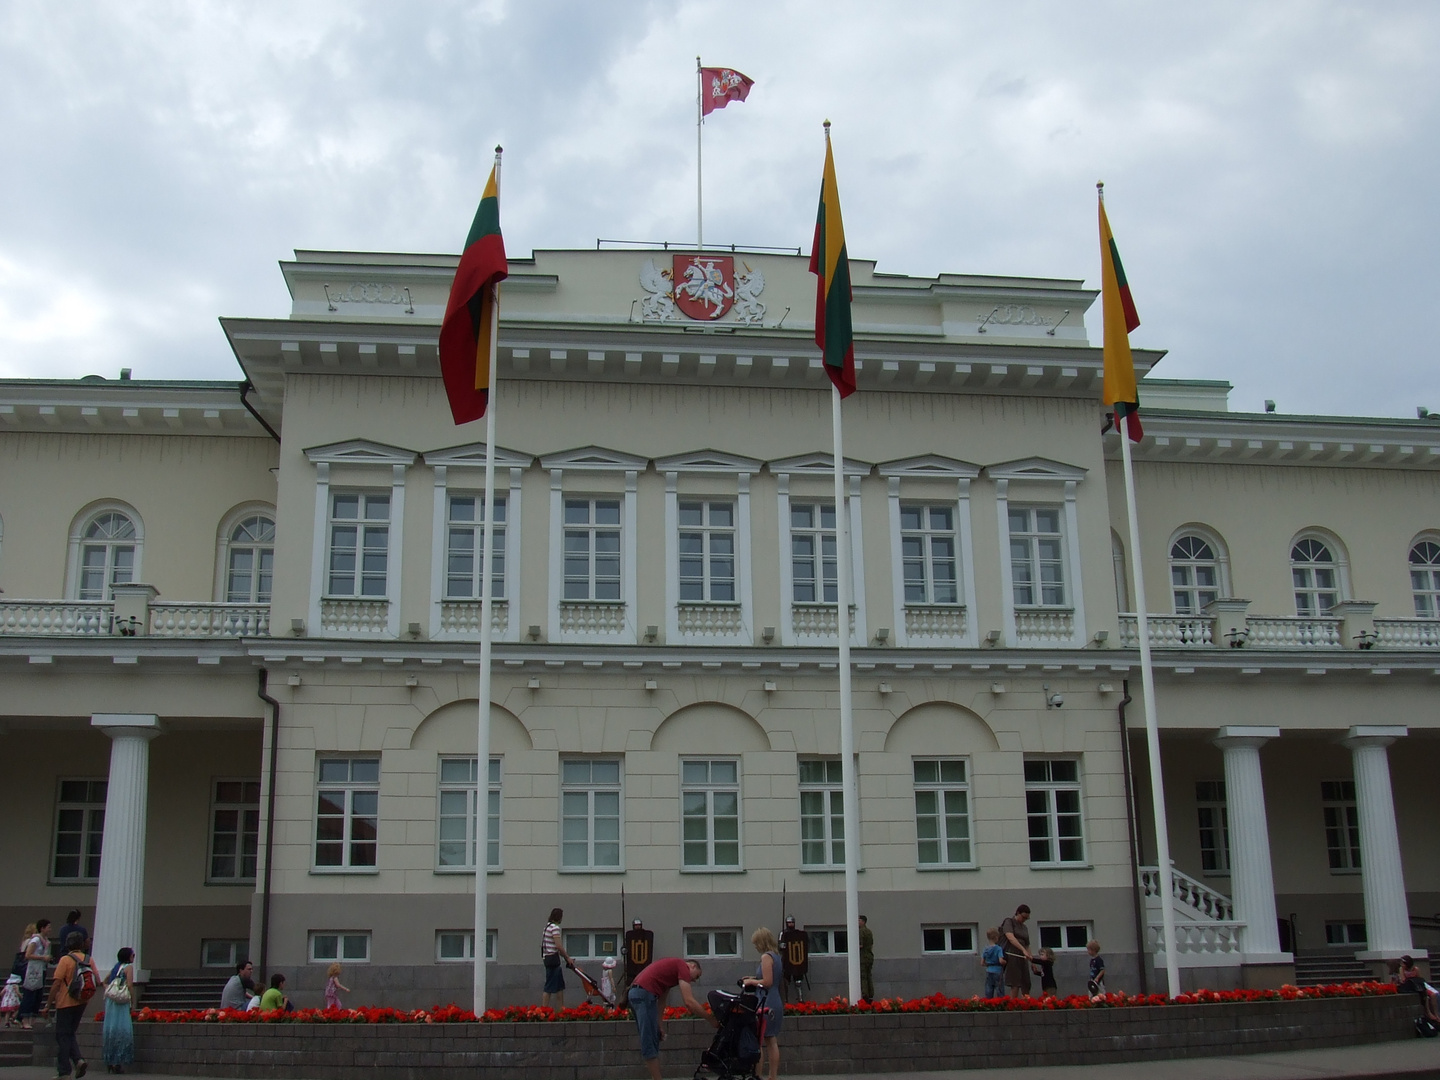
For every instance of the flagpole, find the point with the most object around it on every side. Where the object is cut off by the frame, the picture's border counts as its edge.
(1152, 726)
(699, 127)
(487, 606)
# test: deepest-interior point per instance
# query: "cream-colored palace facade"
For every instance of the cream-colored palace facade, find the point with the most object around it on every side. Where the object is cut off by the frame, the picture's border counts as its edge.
(239, 638)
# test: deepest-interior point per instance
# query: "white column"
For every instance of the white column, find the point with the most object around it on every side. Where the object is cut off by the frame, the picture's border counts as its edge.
(1387, 914)
(1252, 882)
(120, 898)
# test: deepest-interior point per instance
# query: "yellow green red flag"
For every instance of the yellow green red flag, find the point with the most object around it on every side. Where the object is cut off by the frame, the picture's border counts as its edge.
(830, 263)
(1118, 310)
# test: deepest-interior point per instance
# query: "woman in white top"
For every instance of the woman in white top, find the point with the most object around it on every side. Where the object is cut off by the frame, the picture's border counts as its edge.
(553, 955)
(36, 948)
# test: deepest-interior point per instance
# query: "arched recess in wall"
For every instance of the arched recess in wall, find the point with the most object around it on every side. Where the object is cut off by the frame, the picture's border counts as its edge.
(451, 729)
(940, 728)
(709, 727)
(1122, 575)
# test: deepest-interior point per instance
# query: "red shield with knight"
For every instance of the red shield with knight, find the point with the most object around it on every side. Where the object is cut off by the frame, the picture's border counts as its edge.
(704, 285)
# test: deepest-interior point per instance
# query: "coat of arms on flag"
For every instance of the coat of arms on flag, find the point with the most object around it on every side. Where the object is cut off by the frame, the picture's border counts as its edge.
(720, 86)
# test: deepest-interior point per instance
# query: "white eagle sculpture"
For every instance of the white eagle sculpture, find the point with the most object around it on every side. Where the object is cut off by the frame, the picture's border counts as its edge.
(659, 302)
(748, 286)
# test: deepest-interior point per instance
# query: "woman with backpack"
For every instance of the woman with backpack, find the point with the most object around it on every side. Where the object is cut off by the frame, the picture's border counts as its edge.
(118, 1035)
(70, 991)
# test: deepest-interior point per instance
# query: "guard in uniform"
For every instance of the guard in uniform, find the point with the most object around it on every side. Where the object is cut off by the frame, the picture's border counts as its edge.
(794, 959)
(639, 950)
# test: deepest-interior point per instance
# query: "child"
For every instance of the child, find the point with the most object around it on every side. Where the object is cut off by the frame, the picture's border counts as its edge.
(333, 986)
(1096, 985)
(10, 999)
(993, 958)
(1045, 968)
(607, 980)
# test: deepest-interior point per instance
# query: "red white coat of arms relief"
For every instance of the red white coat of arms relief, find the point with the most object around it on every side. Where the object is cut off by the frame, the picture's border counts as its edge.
(704, 285)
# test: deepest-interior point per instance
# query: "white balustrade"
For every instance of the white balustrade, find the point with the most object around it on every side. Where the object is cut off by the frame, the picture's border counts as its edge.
(709, 619)
(1276, 632)
(210, 620)
(1408, 633)
(461, 618)
(1194, 900)
(942, 623)
(38, 618)
(354, 616)
(1044, 627)
(818, 620)
(1169, 631)
(1221, 938)
(592, 618)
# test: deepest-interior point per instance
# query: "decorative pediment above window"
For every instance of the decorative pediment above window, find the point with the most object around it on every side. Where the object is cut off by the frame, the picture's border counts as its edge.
(1036, 468)
(472, 455)
(818, 464)
(594, 458)
(360, 452)
(930, 465)
(708, 461)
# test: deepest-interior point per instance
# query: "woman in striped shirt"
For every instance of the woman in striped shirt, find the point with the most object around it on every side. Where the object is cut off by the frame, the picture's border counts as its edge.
(553, 955)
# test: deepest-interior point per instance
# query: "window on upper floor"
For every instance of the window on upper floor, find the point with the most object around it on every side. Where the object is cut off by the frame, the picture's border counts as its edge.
(1037, 556)
(822, 813)
(347, 813)
(592, 549)
(234, 830)
(707, 552)
(1053, 812)
(929, 547)
(458, 807)
(1425, 578)
(108, 548)
(812, 553)
(359, 544)
(942, 812)
(590, 818)
(250, 561)
(1214, 821)
(464, 548)
(1194, 573)
(1315, 575)
(1342, 824)
(710, 814)
(79, 830)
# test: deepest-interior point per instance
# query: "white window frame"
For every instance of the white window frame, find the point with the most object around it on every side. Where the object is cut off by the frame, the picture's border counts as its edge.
(350, 787)
(950, 930)
(364, 525)
(823, 940)
(460, 470)
(708, 789)
(1087, 930)
(240, 809)
(225, 542)
(706, 476)
(1051, 787)
(1345, 929)
(590, 944)
(940, 788)
(1219, 562)
(1040, 482)
(833, 794)
(712, 936)
(814, 475)
(1341, 800)
(469, 789)
(1032, 536)
(366, 465)
(592, 787)
(1210, 797)
(1426, 595)
(593, 529)
(91, 837)
(602, 474)
(235, 949)
(80, 525)
(1339, 567)
(467, 939)
(345, 940)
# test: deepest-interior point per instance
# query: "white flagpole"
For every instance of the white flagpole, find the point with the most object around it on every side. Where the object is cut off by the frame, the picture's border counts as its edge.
(487, 605)
(699, 127)
(850, 790)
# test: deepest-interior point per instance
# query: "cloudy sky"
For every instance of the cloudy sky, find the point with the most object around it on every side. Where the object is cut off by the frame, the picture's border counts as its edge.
(1270, 168)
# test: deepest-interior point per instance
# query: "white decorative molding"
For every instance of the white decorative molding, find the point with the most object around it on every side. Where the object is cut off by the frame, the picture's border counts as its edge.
(818, 624)
(460, 620)
(935, 624)
(359, 618)
(1044, 627)
(360, 452)
(210, 620)
(1293, 632)
(592, 619)
(1408, 633)
(711, 623)
(45, 618)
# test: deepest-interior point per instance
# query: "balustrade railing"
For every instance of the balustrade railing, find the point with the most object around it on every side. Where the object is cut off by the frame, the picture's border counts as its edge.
(355, 616)
(709, 619)
(210, 620)
(580, 618)
(818, 620)
(1408, 633)
(940, 623)
(461, 618)
(1044, 627)
(1299, 632)
(1194, 900)
(41, 618)
(1169, 631)
(1221, 938)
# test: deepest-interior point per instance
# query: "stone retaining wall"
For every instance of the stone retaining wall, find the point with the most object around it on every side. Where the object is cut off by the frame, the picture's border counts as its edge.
(812, 1045)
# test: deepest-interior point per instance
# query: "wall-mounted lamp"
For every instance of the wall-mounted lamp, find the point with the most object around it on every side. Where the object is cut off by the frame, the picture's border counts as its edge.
(769, 686)
(997, 688)
(412, 681)
(651, 684)
(1105, 688)
(767, 634)
(992, 637)
(1237, 636)
(1366, 639)
(293, 680)
(882, 635)
(1101, 636)
(884, 688)
(297, 627)
(533, 631)
(652, 632)
(413, 629)
(534, 683)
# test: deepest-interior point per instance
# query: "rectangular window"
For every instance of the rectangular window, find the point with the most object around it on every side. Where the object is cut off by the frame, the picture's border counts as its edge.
(592, 944)
(347, 807)
(827, 940)
(942, 812)
(1345, 933)
(359, 543)
(707, 552)
(223, 953)
(592, 549)
(234, 830)
(1037, 556)
(458, 946)
(79, 827)
(346, 946)
(464, 548)
(1342, 824)
(710, 814)
(590, 814)
(928, 546)
(947, 939)
(457, 808)
(710, 944)
(1214, 821)
(1065, 937)
(822, 814)
(1052, 811)
(812, 553)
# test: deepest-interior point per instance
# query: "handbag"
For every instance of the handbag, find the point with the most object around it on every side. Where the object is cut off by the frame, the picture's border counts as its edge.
(34, 975)
(118, 990)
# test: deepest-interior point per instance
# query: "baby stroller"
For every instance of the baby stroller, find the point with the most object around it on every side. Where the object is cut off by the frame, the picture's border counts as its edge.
(735, 1050)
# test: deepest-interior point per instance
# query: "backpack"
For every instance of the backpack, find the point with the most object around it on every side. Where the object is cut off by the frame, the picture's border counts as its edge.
(83, 983)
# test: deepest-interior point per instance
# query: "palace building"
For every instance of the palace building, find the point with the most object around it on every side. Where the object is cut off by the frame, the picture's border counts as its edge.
(239, 639)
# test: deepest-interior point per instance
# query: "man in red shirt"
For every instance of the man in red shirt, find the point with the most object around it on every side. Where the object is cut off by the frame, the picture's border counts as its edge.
(650, 993)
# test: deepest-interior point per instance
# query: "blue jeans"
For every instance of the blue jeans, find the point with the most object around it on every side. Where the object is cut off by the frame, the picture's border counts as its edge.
(994, 983)
(646, 1007)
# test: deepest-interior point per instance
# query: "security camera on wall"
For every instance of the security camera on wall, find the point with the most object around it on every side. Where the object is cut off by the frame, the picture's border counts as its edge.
(1053, 701)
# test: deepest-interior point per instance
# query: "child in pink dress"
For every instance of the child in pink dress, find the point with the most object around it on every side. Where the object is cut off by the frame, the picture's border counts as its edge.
(10, 999)
(333, 986)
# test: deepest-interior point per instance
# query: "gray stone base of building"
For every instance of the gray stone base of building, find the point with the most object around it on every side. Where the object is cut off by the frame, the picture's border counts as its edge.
(812, 1045)
(1267, 976)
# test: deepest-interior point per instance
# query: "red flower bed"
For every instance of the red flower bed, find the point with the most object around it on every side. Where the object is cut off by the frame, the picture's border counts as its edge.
(453, 1014)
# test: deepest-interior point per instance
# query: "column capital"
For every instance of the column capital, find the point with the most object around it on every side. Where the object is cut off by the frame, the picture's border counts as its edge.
(1379, 735)
(133, 725)
(1244, 737)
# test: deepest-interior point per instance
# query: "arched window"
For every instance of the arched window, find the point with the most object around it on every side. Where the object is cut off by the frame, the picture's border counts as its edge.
(250, 561)
(1194, 573)
(1122, 579)
(108, 545)
(1315, 573)
(1425, 578)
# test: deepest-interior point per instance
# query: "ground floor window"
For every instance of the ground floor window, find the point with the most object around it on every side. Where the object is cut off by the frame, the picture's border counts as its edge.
(223, 952)
(457, 946)
(584, 944)
(79, 828)
(1344, 933)
(827, 940)
(947, 939)
(352, 946)
(1065, 937)
(706, 944)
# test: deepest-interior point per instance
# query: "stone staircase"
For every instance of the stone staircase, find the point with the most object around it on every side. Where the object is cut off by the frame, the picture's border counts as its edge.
(1207, 933)
(182, 990)
(17, 1046)
(1324, 968)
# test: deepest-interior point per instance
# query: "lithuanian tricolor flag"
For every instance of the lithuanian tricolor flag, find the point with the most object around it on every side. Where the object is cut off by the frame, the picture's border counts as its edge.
(1118, 309)
(465, 335)
(830, 263)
